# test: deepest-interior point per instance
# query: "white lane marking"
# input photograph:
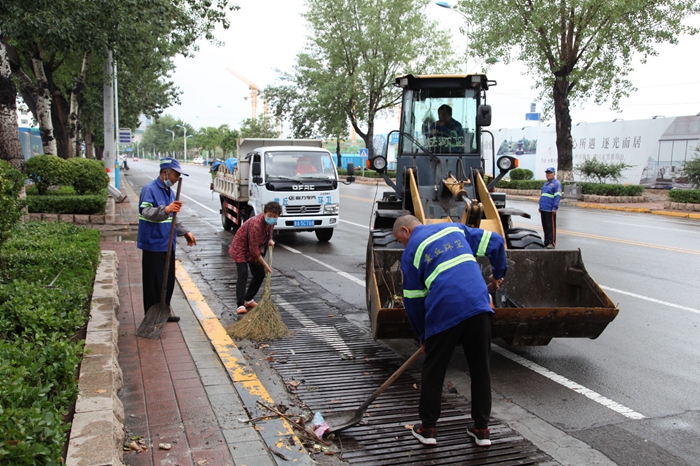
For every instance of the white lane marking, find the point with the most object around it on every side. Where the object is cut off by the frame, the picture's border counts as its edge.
(647, 226)
(597, 397)
(356, 224)
(200, 204)
(653, 300)
(339, 272)
(325, 333)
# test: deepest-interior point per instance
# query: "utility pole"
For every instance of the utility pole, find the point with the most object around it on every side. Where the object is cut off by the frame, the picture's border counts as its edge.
(108, 156)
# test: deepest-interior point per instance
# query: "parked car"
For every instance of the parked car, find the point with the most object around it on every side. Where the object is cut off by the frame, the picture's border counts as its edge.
(198, 161)
(136, 159)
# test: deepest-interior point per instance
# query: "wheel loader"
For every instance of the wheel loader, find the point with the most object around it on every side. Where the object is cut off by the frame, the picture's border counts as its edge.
(440, 177)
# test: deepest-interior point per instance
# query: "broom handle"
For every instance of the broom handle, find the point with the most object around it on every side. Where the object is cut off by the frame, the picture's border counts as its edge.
(170, 247)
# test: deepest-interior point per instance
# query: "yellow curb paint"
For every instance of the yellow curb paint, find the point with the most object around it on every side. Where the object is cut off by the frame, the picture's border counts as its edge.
(694, 216)
(241, 374)
(671, 214)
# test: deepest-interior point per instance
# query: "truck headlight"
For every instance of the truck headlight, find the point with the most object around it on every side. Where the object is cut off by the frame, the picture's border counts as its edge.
(330, 208)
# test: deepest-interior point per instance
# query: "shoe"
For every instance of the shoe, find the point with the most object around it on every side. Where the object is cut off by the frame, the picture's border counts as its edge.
(241, 310)
(173, 318)
(250, 304)
(425, 435)
(550, 246)
(480, 435)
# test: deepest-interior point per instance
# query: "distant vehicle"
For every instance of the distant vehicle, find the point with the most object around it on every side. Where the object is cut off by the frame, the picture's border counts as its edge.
(136, 159)
(198, 161)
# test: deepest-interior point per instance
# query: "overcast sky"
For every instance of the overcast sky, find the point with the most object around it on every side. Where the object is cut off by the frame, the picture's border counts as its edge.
(267, 35)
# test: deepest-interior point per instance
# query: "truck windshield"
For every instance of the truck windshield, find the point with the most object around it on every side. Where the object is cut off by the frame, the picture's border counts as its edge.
(441, 120)
(299, 165)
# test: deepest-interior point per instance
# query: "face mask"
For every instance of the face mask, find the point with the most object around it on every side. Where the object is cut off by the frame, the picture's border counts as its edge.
(167, 183)
(271, 221)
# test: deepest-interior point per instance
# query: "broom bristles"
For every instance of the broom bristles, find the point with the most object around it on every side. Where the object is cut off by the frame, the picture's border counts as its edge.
(263, 322)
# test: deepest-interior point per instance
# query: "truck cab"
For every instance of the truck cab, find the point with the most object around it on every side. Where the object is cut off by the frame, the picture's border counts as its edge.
(298, 174)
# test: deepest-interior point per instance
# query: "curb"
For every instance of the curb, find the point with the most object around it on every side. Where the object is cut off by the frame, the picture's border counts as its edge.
(97, 431)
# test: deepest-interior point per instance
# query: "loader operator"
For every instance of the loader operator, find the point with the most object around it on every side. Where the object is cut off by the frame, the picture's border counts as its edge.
(447, 302)
(448, 131)
(549, 203)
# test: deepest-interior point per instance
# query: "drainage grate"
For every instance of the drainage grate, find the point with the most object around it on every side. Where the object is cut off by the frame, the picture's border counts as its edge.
(338, 366)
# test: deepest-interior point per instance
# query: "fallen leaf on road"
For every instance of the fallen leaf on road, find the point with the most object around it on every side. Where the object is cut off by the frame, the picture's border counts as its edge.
(135, 446)
(165, 446)
(100, 390)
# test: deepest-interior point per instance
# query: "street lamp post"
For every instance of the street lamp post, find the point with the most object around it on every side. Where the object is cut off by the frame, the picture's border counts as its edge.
(453, 8)
(173, 133)
(184, 135)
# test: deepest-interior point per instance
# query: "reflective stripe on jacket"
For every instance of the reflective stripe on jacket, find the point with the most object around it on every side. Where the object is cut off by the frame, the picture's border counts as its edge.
(550, 196)
(442, 282)
(154, 223)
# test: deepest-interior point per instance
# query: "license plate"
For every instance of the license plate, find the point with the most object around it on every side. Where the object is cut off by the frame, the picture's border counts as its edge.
(303, 223)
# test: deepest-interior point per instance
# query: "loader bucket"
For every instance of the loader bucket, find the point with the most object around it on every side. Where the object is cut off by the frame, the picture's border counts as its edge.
(547, 294)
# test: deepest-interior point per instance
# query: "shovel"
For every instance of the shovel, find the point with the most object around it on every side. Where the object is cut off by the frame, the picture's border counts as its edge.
(157, 315)
(345, 419)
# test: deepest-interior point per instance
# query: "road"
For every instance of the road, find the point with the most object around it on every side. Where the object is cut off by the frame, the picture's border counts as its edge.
(633, 394)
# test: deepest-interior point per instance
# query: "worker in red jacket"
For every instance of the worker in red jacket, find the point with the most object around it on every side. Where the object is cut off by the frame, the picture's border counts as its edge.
(248, 250)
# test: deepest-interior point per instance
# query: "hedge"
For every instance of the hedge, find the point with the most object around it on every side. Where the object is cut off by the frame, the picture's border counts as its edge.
(65, 203)
(11, 182)
(685, 196)
(368, 173)
(38, 360)
(586, 188)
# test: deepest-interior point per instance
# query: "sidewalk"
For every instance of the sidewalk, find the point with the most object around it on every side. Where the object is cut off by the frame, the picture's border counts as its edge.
(181, 404)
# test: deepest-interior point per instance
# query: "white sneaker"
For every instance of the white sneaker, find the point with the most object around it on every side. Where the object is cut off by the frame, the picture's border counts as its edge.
(241, 310)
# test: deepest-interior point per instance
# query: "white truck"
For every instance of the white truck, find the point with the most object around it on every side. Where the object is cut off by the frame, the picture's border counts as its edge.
(297, 173)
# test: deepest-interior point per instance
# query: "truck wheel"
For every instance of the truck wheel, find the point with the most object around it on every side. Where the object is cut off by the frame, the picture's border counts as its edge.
(324, 234)
(225, 221)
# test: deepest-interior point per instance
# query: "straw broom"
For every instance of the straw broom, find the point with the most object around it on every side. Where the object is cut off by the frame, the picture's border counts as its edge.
(263, 322)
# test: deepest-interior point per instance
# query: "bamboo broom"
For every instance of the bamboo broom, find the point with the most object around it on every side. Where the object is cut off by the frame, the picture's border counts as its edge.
(263, 322)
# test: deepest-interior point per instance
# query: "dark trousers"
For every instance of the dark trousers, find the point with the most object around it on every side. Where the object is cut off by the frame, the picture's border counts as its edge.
(549, 225)
(152, 270)
(258, 273)
(474, 334)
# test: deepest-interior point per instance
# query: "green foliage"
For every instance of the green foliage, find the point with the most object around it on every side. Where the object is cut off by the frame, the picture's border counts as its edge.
(87, 176)
(520, 184)
(90, 204)
(685, 196)
(600, 171)
(521, 174)
(261, 127)
(691, 169)
(11, 182)
(355, 51)
(46, 171)
(38, 360)
(612, 189)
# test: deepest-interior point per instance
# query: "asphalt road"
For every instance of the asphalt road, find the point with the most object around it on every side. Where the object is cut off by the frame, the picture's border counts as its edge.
(633, 394)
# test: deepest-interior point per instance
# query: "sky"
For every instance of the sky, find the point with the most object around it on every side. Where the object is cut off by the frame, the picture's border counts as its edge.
(266, 36)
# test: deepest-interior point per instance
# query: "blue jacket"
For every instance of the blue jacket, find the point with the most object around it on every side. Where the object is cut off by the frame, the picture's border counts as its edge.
(550, 196)
(154, 223)
(442, 282)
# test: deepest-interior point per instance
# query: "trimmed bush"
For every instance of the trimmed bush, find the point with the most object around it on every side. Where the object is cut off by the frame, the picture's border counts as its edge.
(599, 171)
(11, 182)
(612, 189)
(520, 184)
(691, 169)
(46, 171)
(685, 196)
(65, 203)
(521, 174)
(87, 176)
(38, 360)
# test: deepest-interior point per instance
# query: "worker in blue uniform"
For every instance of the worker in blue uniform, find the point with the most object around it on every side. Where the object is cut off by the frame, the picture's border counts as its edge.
(156, 206)
(549, 204)
(447, 303)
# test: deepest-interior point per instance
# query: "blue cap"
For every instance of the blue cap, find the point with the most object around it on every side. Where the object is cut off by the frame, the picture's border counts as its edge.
(171, 163)
(551, 169)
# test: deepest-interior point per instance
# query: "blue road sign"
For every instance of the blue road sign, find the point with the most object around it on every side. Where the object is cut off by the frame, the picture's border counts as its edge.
(124, 136)
(394, 138)
(364, 152)
(532, 116)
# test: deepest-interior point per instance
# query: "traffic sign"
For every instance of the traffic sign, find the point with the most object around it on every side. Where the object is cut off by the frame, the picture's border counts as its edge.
(394, 138)
(364, 152)
(124, 135)
(532, 117)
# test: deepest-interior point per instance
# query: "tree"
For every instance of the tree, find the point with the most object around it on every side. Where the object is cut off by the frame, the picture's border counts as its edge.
(10, 148)
(261, 127)
(52, 46)
(356, 50)
(691, 169)
(576, 49)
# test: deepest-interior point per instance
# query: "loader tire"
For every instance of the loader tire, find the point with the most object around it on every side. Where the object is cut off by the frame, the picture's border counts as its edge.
(522, 238)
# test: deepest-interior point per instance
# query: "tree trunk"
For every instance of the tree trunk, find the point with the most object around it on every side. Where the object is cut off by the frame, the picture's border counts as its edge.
(43, 106)
(73, 133)
(10, 147)
(563, 124)
(337, 151)
(59, 117)
(89, 147)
